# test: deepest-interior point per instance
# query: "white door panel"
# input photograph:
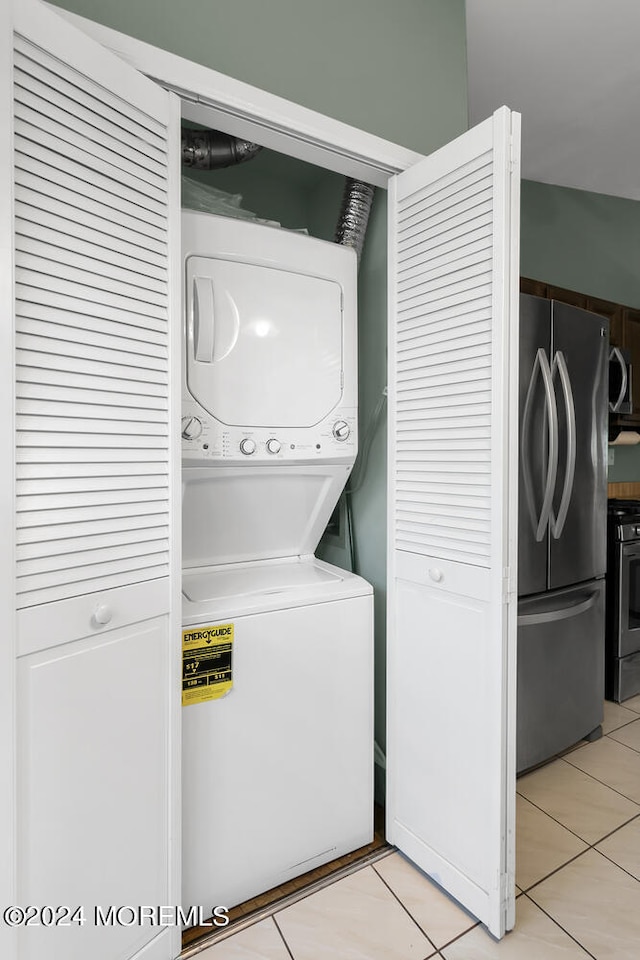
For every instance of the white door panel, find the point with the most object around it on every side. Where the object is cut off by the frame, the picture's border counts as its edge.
(452, 522)
(93, 724)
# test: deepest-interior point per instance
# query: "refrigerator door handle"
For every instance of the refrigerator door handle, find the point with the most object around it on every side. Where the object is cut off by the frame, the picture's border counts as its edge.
(541, 363)
(563, 613)
(558, 522)
(617, 355)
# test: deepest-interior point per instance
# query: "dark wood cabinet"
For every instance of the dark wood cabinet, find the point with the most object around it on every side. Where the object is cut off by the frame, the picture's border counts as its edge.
(631, 342)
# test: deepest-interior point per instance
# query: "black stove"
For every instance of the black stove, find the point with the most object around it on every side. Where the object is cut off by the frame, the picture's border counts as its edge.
(624, 519)
(622, 660)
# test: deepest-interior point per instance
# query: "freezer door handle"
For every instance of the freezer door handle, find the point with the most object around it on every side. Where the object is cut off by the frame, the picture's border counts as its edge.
(541, 364)
(562, 613)
(617, 355)
(558, 522)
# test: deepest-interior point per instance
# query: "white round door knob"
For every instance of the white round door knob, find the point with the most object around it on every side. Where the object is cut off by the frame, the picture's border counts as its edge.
(435, 574)
(102, 614)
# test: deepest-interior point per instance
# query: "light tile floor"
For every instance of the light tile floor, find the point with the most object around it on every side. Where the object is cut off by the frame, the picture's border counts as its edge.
(577, 870)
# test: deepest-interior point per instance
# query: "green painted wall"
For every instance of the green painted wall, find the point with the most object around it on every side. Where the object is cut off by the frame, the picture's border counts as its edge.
(626, 464)
(395, 69)
(582, 241)
(588, 242)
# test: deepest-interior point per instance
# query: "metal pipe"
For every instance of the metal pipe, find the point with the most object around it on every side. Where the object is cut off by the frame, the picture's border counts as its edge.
(212, 150)
(354, 214)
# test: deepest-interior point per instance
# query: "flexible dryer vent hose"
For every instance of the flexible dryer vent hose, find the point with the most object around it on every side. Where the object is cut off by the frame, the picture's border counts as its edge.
(212, 150)
(354, 214)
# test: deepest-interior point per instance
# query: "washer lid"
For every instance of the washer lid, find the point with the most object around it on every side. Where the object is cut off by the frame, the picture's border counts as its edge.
(239, 513)
(264, 345)
(265, 578)
(240, 589)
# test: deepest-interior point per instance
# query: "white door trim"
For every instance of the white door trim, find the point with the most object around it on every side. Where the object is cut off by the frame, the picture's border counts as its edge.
(245, 111)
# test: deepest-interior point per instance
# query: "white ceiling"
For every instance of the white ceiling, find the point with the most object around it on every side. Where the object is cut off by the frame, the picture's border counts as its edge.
(572, 69)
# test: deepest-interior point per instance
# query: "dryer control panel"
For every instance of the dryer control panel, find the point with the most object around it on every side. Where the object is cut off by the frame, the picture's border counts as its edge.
(205, 440)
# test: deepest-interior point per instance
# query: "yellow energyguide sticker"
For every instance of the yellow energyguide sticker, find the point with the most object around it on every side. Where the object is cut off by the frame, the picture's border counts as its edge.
(206, 663)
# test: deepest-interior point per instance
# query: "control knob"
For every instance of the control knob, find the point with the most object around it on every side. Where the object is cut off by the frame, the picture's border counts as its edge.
(247, 446)
(341, 430)
(191, 428)
(273, 445)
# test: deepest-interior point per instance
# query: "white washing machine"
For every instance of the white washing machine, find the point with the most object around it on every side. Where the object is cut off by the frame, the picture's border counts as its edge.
(277, 645)
(278, 772)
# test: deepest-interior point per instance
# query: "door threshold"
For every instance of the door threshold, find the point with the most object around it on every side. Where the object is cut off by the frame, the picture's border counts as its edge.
(244, 915)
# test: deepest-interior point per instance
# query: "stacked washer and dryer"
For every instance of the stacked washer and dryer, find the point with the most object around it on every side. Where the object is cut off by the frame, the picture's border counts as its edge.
(277, 645)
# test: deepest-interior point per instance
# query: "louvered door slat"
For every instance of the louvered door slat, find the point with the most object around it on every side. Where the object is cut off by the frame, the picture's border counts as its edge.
(433, 218)
(62, 417)
(143, 391)
(88, 141)
(101, 581)
(107, 472)
(95, 326)
(65, 234)
(54, 266)
(72, 98)
(68, 115)
(59, 534)
(91, 571)
(454, 235)
(92, 492)
(39, 486)
(99, 98)
(60, 154)
(72, 443)
(446, 185)
(90, 335)
(28, 453)
(119, 363)
(87, 211)
(81, 187)
(66, 310)
(52, 290)
(51, 553)
(117, 510)
(62, 248)
(39, 391)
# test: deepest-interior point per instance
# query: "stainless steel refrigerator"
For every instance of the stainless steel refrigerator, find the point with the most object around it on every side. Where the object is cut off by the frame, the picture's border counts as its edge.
(562, 527)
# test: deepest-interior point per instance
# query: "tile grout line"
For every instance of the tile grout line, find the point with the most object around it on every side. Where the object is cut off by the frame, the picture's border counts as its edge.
(611, 737)
(556, 870)
(559, 925)
(577, 835)
(406, 909)
(587, 774)
(263, 913)
(288, 948)
(625, 747)
(591, 847)
(606, 857)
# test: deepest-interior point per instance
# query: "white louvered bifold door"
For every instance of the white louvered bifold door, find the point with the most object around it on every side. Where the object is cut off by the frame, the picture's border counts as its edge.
(453, 434)
(95, 172)
(92, 364)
